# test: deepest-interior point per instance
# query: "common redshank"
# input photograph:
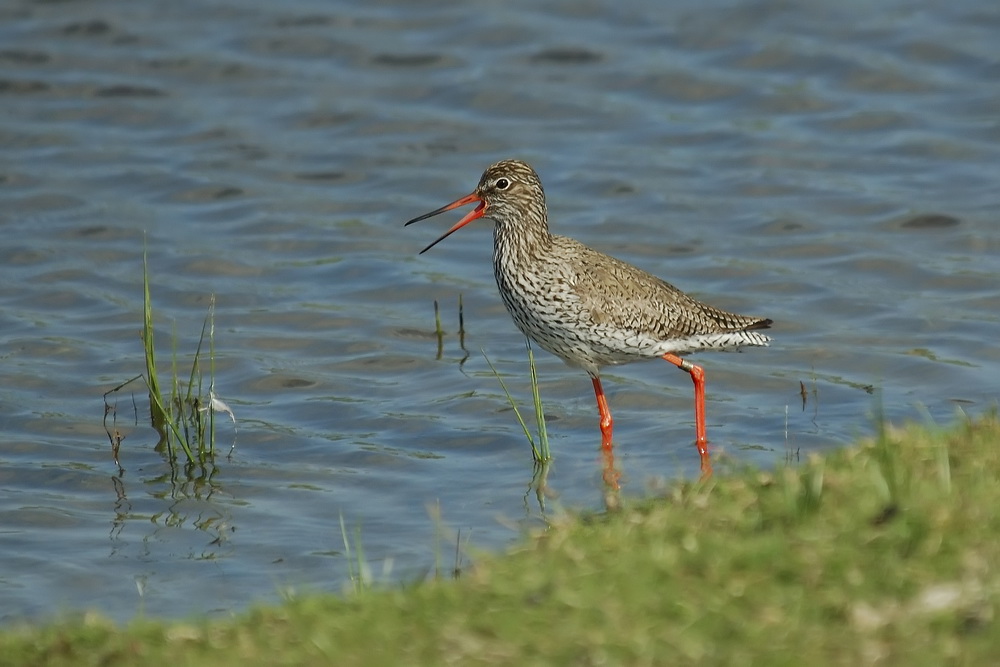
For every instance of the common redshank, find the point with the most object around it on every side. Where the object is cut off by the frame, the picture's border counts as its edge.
(587, 308)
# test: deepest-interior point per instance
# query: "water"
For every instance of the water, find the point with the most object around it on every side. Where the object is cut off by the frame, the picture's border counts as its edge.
(833, 168)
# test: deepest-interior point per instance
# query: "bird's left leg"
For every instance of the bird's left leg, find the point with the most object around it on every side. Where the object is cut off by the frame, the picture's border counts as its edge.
(602, 406)
(698, 377)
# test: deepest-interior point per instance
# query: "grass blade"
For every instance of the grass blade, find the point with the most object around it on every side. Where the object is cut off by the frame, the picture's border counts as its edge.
(517, 413)
(536, 397)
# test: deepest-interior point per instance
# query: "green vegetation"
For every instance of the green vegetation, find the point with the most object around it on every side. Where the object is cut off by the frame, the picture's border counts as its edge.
(882, 553)
(184, 418)
(540, 452)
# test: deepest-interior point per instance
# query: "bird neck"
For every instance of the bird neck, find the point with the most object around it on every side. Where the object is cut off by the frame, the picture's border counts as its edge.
(522, 241)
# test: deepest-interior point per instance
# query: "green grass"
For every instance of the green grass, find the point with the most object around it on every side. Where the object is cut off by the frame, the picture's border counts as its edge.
(358, 571)
(540, 451)
(883, 553)
(184, 417)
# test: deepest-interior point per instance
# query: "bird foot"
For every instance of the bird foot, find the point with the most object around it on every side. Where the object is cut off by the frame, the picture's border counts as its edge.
(705, 459)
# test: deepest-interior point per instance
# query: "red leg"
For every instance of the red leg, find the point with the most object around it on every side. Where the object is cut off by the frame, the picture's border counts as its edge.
(698, 377)
(602, 407)
(611, 474)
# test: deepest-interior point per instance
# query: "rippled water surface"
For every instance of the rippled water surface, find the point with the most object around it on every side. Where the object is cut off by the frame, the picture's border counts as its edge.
(834, 168)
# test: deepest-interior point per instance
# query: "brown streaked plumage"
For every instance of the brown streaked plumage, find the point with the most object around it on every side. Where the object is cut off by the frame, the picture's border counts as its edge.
(588, 308)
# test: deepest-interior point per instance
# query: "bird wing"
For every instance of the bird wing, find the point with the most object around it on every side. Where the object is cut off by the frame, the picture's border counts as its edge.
(626, 297)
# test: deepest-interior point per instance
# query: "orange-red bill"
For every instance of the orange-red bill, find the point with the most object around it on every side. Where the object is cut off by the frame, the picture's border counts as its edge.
(469, 217)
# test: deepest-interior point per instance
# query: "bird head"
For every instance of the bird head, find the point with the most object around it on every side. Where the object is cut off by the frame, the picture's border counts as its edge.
(509, 193)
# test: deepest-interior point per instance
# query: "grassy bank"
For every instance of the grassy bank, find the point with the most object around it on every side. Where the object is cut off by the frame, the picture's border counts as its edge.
(883, 553)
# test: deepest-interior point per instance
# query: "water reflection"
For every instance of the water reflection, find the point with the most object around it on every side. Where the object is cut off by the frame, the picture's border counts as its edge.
(441, 333)
(539, 487)
(185, 492)
(186, 498)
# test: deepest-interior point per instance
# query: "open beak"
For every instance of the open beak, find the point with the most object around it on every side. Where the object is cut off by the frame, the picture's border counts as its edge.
(469, 217)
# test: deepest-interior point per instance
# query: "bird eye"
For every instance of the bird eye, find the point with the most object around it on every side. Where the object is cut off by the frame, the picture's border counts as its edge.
(502, 184)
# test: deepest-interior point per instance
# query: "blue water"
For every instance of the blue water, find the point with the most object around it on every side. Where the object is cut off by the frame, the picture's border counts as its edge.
(831, 167)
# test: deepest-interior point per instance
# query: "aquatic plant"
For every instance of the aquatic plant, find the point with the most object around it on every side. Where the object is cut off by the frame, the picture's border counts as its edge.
(184, 417)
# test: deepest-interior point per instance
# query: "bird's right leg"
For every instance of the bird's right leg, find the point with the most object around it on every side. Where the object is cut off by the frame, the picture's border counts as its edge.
(611, 474)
